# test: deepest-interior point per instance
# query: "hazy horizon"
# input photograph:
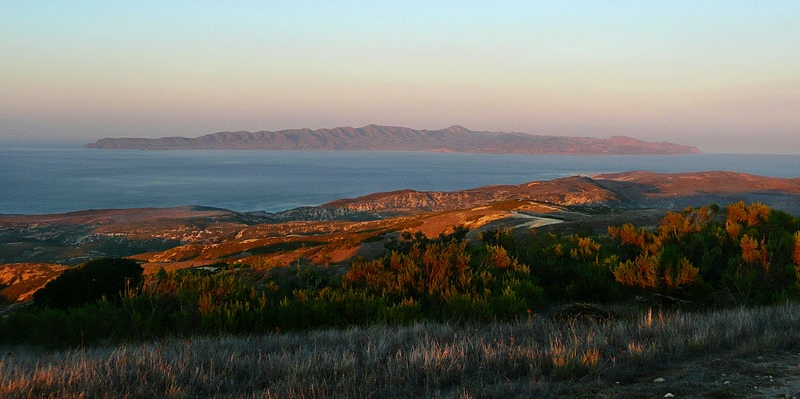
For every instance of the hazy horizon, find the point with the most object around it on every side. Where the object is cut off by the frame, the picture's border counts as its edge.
(722, 76)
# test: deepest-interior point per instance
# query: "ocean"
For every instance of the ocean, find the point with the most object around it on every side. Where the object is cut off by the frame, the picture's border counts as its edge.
(52, 180)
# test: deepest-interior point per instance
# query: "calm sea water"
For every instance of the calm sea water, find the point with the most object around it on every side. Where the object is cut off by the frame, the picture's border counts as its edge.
(46, 180)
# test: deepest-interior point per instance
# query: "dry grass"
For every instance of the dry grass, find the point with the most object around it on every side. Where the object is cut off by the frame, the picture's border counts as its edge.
(335, 240)
(21, 280)
(532, 357)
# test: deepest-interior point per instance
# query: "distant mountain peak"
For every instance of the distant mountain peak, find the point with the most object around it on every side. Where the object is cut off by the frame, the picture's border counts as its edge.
(623, 139)
(455, 138)
(457, 129)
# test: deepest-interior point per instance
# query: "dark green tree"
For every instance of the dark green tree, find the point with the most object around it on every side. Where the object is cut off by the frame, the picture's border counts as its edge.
(89, 282)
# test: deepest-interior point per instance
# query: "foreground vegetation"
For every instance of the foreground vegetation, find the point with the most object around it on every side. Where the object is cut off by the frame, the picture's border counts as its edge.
(530, 357)
(432, 317)
(746, 255)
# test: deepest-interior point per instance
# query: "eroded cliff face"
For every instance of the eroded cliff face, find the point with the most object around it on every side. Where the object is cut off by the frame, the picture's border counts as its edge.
(630, 189)
(393, 138)
(322, 213)
(567, 191)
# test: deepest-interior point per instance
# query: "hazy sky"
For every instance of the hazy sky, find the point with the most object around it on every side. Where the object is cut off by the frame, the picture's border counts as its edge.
(722, 75)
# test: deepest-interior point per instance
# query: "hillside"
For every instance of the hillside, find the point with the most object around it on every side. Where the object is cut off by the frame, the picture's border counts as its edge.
(391, 138)
(334, 232)
(18, 281)
(629, 189)
(566, 191)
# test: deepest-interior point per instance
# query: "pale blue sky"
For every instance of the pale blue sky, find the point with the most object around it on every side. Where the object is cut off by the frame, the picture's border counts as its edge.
(723, 75)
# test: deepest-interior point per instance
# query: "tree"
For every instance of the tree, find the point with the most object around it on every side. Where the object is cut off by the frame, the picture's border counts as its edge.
(89, 282)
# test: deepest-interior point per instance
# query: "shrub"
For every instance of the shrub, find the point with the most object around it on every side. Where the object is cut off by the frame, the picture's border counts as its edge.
(89, 282)
(655, 272)
(447, 279)
(572, 268)
(745, 257)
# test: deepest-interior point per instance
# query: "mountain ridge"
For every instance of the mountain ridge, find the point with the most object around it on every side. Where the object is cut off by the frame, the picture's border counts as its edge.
(637, 189)
(394, 138)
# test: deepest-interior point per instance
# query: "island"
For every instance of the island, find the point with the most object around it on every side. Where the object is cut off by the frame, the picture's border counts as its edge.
(392, 138)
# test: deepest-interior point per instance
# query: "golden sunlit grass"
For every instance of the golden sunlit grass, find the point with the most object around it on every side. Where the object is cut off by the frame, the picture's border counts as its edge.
(531, 357)
(18, 281)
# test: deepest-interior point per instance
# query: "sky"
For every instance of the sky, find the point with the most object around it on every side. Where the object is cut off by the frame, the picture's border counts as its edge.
(721, 75)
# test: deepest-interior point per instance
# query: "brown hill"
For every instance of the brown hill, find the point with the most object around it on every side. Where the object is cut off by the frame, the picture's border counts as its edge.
(115, 216)
(677, 190)
(629, 189)
(566, 191)
(374, 137)
(687, 184)
(21, 280)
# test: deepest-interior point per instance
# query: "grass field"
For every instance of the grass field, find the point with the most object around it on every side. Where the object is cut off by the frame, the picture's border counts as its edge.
(532, 357)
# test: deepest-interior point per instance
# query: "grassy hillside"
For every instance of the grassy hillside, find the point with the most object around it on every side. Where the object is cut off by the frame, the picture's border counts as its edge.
(531, 357)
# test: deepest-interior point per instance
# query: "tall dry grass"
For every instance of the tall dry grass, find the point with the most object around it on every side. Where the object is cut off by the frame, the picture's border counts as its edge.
(531, 357)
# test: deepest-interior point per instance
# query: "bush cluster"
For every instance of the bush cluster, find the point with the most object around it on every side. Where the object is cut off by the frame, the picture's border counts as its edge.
(744, 256)
(748, 254)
